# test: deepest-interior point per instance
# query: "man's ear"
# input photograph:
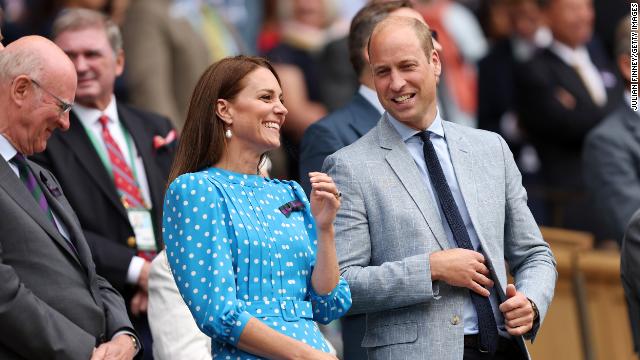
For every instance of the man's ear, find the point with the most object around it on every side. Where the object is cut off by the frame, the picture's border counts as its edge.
(119, 62)
(224, 111)
(437, 66)
(20, 90)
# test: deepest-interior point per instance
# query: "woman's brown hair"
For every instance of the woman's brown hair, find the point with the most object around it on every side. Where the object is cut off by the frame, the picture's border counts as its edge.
(202, 142)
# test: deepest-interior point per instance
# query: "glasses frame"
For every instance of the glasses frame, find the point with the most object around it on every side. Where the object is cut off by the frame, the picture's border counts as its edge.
(63, 106)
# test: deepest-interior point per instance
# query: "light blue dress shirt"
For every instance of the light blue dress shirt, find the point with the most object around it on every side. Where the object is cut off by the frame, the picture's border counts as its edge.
(414, 145)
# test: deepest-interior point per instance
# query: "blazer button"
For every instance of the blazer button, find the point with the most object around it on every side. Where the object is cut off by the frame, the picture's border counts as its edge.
(131, 241)
(455, 320)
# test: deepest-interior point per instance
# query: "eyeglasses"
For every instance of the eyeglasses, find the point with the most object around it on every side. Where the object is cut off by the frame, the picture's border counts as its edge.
(63, 106)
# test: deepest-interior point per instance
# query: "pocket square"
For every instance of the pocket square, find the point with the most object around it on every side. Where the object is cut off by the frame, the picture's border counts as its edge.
(159, 141)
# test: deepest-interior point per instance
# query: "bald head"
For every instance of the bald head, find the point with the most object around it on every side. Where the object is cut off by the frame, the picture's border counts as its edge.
(35, 56)
(37, 84)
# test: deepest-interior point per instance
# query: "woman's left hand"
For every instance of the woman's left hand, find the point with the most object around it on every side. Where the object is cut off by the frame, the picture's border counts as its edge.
(325, 199)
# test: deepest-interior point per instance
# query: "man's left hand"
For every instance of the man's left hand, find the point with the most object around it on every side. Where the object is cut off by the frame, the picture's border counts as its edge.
(518, 312)
(119, 348)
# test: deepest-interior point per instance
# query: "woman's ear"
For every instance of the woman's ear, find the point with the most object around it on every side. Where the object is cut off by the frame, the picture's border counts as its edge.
(223, 110)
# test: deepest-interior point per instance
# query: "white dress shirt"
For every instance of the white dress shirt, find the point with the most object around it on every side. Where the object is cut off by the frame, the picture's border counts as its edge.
(579, 59)
(89, 118)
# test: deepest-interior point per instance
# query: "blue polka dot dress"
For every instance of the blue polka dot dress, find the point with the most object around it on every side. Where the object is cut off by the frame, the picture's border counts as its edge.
(234, 255)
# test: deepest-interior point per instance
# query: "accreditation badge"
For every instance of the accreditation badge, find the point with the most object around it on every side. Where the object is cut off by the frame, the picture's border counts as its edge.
(140, 220)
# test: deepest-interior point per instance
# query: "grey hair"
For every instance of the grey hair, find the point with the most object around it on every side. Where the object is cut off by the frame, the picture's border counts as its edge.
(80, 19)
(22, 61)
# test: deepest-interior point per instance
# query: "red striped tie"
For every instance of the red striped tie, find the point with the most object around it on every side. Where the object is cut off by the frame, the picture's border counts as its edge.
(126, 185)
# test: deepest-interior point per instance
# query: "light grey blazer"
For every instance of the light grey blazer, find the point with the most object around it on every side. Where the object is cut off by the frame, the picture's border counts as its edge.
(388, 225)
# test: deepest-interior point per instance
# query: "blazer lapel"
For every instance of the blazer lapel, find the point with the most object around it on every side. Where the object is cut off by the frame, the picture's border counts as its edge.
(464, 167)
(64, 215)
(143, 140)
(78, 141)
(19, 193)
(406, 170)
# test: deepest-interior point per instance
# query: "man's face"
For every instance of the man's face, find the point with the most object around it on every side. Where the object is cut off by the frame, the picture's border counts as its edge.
(41, 112)
(404, 78)
(571, 21)
(96, 65)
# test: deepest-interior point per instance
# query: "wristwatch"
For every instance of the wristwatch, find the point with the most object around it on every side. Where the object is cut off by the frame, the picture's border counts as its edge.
(536, 313)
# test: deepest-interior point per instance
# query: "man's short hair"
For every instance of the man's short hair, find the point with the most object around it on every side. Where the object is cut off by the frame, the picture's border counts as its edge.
(623, 37)
(362, 25)
(21, 61)
(422, 31)
(75, 19)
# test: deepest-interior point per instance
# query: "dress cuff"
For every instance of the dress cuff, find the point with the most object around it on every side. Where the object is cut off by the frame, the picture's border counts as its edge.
(238, 326)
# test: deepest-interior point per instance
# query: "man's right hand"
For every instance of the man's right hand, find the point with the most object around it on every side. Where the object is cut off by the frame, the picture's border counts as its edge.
(462, 268)
(143, 278)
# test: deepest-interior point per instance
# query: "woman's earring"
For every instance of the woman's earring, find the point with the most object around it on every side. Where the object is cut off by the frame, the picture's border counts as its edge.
(228, 134)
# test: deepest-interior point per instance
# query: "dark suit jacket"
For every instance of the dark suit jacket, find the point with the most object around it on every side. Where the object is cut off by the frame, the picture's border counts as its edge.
(92, 194)
(52, 303)
(333, 132)
(612, 171)
(558, 132)
(630, 272)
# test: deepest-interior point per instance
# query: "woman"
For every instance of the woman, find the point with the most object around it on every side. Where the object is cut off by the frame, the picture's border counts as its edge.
(252, 264)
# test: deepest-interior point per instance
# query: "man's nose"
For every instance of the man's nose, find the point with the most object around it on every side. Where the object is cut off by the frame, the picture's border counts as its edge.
(397, 81)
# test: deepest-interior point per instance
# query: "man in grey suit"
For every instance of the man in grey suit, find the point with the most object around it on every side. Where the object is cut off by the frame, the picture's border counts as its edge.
(611, 155)
(52, 303)
(423, 244)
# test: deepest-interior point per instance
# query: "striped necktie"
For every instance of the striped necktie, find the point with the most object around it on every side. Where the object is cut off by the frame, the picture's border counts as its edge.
(29, 180)
(128, 189)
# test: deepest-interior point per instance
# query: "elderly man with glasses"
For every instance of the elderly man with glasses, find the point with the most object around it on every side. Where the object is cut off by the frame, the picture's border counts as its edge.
(112, 163)
(52, 302)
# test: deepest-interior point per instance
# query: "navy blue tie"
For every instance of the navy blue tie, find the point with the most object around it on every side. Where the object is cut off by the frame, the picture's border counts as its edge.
(487, 327)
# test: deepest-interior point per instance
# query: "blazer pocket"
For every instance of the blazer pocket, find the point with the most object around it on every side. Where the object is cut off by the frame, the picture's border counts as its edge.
(391, 334)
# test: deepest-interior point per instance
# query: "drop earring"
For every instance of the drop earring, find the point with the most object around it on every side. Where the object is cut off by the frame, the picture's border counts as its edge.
(228, 134)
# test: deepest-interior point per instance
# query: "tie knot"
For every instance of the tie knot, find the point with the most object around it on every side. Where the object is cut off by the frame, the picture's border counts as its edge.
(104, 120)
(425, 135)
(19, 160)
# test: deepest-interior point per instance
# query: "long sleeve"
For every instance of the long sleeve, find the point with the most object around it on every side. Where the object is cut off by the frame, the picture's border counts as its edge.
(335, 304)
(529, 256)
(199, 236)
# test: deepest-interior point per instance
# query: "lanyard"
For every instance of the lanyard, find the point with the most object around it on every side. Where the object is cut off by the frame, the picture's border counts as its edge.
(102, 153)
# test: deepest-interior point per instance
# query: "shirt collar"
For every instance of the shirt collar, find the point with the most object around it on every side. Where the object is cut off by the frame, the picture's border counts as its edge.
(568, 55)
(407, 133)
(371, 96)
(7, 151)
(89, 116)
